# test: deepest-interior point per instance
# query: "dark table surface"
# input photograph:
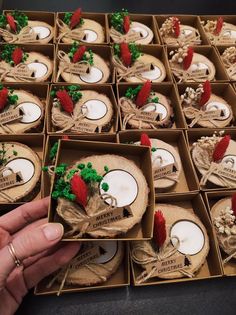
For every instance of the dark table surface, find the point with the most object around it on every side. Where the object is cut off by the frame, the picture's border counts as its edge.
(214, 296)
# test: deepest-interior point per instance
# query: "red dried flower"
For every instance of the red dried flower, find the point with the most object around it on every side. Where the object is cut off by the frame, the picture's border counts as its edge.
(159, 234)
(219, 25)
(65, 101)
(78, 55)
(188, 59)
(79, 189)
(233, 203)
(221, 148)
(176, 26)
(17, 55)
(125, 54)
(3, 98)
(75, 19)
(65, 137)
(143, 94)
(144, 140)
(206, 93)
(11, 22)
(126, 23)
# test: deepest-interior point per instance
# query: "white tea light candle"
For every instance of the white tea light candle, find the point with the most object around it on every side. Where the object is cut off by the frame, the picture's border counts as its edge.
(108, 251)
(94, 109)
(25, 166)
(31, 112)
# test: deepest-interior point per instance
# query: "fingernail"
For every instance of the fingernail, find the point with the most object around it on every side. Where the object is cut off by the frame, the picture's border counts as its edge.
(53, 231)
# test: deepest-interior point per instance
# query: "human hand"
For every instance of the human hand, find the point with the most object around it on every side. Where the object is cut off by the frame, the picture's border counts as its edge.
(34, 243)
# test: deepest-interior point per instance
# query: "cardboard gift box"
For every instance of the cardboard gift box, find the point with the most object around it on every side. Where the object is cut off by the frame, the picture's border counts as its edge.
(168, 90)
(103, 89)
(223, 90)
(211, 54)
(101, 50)
(187, 179)
(211, 198)
(147, 20)
(191, 20)
(212, 267)
(41, 91)
(52, 139)
(156, 51)
(43, 16)
(100, 18)
(48, 50)
(226, 18)
(220, 49)
(34, 142)
(195, 134)
(121, 278)
(70, 151)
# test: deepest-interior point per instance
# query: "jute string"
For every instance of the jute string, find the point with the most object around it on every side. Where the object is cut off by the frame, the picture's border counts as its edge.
(66, 31)
(9, 71)
(228, 244)
(184, 75)
(172, 176)
(118, 37)
(19, 38)
(3, 194)
(196, 115)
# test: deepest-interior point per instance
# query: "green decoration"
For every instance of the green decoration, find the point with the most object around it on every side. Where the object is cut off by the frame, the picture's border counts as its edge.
(88, 55)
(117, 20)
(105, 187)
(67, 18)
(132, 93)
(6, 54)
(133, 48)
(53, 151)
(73, 91)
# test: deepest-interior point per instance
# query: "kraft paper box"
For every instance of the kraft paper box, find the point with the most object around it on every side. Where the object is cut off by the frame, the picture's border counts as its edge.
(168, 90)
(224, 90)
(43, 16)
(41, 91)
(191, 20)
(157, 51)
(212, 268)
(34, 142)
(100, 18)
(147, 20)
(187, 180)
(220, 50)
(121, 278)
(226, 18)
(70, 151)
(193, 136)
(52, 139)
(48, 50)
(103, 89)
(211, 198)
(212, 55)
(101, 50)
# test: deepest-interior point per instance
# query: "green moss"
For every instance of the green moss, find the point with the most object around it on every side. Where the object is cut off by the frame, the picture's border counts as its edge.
(67, 18)
(53, 151)
(105, 187)
(117, 20)
(21, 19)
(132, 93)
(6, 54)
(73, 91)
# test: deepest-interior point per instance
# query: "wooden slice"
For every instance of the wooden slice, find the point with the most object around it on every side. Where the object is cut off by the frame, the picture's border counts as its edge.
(188, 35)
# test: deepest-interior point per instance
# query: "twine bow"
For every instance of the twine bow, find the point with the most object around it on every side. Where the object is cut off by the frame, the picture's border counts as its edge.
(8, 71)
(19, 38)
(120, 38)
(142, 255)
(130, 111)
(196, 115)
(186, 40)
(75, 34)
(184, 75)
(173, 176)
(229, 243)
(66, 65)
(3, 194)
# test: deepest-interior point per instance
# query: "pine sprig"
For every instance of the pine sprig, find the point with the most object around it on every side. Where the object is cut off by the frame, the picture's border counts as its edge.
(117, 20)
(6, 54)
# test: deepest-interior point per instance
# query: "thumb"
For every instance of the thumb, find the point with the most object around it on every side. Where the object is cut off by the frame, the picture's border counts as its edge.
(29, 244)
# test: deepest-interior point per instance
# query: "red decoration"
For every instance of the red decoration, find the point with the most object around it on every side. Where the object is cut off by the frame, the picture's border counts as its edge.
(219, 25)
(11, 22)
(65, 137)
(143, 94)
(233, 203)
(221, 148)
(188, 59)
(176, 26)
(159, 234)
(75, 19)
(65, 101)
(3, 98)
(145, 140)
(78, 55)
(126, 23)
(17, 55)
(79, 188)
(206, 93)
(125, 54)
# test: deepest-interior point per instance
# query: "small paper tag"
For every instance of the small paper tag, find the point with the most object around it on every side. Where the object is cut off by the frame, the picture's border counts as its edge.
(10, 115)
(78, 68)
(164, 171)
(133, 36)
(141, 67)
(27, 37)
(226, 41)
(169, 265)
(77, 34)
(85, 127)
(198, 73)
(108, 217)
(211, 114)
(23, 72)
(146, 116)
(11, 180)
(88, 256)
(225, 172)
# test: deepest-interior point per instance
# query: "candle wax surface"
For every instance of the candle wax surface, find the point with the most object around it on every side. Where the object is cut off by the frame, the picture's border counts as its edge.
(91, 36)
(156, 107)
(122, 186)
(41, 31)
(26, 167)
(229, 33)
(229, 161)
(110, 249)
(152, 74)
(32, 112)
(142, 30)
(216, 105)
(198, 66)
(94, 109)
(190, 236)
(167, 158)
(95, 75)
(40, 69)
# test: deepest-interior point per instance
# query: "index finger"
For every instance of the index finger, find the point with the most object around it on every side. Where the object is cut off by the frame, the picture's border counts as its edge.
(23, 215)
